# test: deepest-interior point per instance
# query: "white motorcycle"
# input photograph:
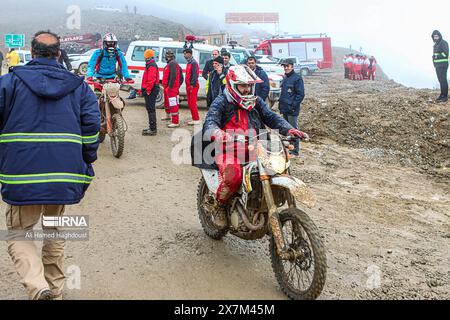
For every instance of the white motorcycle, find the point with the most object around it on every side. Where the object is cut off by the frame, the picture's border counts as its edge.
(267, 204)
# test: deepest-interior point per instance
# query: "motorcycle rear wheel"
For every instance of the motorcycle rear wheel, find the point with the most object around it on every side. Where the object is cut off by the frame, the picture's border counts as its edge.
(206, 218)
(304, 237)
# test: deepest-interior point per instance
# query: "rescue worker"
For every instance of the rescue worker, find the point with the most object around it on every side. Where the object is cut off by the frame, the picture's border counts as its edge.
(216, 80)
(372, 68)
(103, 62)
(13, 59)
(346, 71)
(292, 95)
(50, 122)
(150, 90)
(236, 111)
(172, 81)
(351, 75)
(440, 61)
(192, 85)
(364, 67)
(357, 67)
(263, 88)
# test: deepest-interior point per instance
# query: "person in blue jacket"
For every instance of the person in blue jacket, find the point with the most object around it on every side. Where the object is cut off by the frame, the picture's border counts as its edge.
(262, 89)
(104, 61)
(49, 128)
(292, 95)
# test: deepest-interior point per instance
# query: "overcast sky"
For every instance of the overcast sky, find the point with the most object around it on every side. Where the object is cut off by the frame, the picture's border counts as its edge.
(397, 32)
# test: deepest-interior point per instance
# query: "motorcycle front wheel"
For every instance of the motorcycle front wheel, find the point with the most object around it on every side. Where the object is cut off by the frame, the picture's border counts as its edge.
(300, 278)
(118, 135)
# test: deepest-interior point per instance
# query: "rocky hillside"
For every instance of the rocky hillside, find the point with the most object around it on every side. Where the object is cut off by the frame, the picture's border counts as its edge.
(390, 121)
(125, 26)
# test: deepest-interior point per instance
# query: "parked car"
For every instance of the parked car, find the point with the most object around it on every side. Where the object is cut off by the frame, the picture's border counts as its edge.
(240, 54)
(270, 65)
(25, 57)
(305, 68)
(80, 62)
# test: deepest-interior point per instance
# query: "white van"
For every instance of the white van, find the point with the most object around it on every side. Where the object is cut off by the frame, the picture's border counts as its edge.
(136, 63)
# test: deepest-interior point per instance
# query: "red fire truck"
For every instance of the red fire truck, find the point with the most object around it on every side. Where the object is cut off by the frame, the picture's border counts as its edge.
(315, 48)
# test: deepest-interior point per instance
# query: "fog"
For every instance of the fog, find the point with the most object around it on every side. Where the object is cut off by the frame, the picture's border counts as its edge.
(397, 33)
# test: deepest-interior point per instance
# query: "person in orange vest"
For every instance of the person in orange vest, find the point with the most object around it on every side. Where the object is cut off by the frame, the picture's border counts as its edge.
(372, 68)
(172, 81)
(192, 85)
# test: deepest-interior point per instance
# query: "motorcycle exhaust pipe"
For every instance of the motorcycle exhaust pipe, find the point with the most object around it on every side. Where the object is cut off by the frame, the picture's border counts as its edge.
(247, 223)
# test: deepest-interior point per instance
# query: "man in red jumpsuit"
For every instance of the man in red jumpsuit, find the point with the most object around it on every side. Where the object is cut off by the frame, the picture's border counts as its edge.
(192, 85)
(238, 112)
(172, 81)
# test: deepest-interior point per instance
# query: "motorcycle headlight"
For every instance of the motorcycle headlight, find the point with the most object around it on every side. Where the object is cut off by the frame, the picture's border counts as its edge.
(274, 84)
(277, 163)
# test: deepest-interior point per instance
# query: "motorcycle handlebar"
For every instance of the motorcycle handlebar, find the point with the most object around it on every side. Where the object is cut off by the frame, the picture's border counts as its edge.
(104, 81)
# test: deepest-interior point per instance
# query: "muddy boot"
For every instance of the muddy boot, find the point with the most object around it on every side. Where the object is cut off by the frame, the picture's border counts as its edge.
(220, 216)
(45, 295)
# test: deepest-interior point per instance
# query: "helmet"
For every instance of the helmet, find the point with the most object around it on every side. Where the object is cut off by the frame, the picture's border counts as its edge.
(149, 54)
(242, 74)
(110, 42)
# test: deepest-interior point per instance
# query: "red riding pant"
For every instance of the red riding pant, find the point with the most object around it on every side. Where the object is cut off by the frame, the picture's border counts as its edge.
(230, 177)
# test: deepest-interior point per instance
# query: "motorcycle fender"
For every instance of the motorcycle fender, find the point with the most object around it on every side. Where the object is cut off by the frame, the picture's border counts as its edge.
(298, 189)
(212, 179)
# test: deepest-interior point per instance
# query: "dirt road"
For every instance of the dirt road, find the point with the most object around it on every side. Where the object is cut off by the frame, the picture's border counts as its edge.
(386, 229)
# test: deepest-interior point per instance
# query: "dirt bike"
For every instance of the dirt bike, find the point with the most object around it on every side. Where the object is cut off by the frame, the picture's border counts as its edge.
(267, 204)
(111, 106)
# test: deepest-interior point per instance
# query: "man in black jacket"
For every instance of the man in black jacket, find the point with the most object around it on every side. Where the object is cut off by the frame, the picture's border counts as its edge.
(209, 65)
(440, 60)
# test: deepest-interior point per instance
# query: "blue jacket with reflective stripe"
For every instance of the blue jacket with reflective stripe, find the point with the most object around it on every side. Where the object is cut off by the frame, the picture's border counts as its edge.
(49, 124)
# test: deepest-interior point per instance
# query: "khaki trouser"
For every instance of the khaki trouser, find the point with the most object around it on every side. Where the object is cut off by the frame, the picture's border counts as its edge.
(36, 273)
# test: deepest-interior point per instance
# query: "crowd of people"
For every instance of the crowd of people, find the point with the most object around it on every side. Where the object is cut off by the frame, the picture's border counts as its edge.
(359, 67)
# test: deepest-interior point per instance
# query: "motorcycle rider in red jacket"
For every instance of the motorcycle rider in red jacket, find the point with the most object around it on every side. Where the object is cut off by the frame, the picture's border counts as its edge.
(238, 111)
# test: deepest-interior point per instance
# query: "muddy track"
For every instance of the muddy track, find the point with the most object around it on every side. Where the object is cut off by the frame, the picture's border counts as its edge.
(385, 226)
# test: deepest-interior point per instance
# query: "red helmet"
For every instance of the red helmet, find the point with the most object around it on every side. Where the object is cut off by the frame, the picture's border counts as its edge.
(238, 75)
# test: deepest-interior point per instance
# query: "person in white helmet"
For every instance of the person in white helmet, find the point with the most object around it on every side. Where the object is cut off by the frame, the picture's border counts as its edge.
(108, 62)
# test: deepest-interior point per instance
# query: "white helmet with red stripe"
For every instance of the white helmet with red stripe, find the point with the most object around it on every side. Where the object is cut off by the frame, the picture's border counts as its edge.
(242, 75)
